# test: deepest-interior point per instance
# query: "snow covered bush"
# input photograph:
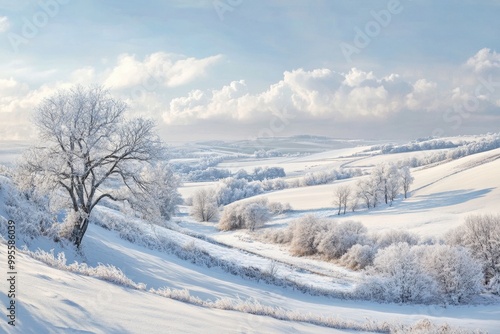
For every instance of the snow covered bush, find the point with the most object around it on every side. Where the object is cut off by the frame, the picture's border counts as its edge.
(277, 208)
(209, 174)
(231, 189)
(396, 276)
(306, 234)
(481, 235)
(255, 215)
(390, 237)
(457, 274)
(250, 215)
(276, 184)
(266, 173)
(325, 177)
(29, 209)
(421, 274)
(338, 238)
(277, 236)
(359, 257)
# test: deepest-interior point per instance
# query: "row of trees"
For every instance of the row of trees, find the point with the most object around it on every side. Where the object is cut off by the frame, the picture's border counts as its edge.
(383, 185)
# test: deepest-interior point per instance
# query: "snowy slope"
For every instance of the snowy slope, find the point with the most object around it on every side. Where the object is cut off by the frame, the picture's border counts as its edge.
(442, 195)
(55, 301)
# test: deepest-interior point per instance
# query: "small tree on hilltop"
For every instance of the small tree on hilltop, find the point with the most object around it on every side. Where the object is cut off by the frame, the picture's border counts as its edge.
(88, 143)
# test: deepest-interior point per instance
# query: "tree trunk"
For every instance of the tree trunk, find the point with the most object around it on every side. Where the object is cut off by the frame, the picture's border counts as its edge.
(79, 231)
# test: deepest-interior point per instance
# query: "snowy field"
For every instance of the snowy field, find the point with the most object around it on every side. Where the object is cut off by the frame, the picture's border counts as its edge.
(442, 195)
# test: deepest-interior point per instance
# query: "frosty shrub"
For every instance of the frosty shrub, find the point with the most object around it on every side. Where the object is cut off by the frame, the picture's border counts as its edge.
(456, 273)
(358, 257)
(277, 208)
(255, 215)
(250, 215)
(455, 237)
(28, 209)
(278, 236)
(306, 234)
(385, 239)
(421, 274)
(339, 238)
(231, 189)
(398, 277)
(481, 234)
(276, 184)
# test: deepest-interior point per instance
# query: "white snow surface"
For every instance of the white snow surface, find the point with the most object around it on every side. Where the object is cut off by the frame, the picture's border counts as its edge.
(56, 301)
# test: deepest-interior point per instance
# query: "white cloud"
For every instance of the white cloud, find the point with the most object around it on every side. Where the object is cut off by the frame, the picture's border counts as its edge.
(316, 94)
(83, 76)
(163, 68)
(485, 59)
(4, 24)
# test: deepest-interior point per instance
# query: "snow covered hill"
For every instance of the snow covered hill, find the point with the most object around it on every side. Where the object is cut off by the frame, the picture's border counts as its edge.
(237, 271)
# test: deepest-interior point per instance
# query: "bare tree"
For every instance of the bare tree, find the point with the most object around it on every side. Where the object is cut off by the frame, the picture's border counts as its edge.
(393, 183)
(364, 191)
(341, 197)
(88, 143)
(406, 179)
(379, 181)
(204, 207)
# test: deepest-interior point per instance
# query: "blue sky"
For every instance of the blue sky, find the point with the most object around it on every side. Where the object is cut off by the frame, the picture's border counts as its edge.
(239, 69)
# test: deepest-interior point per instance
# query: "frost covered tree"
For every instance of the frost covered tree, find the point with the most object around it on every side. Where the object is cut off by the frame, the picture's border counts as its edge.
(204, 207)
(306, 234)
(481, 234)
(87, 143)
(398, 277)
(359, 256)
(154, 196)
(391, 237)
(365, 191)
(393, 183)
(457, 274)
(379, 181)
(341, 198)
(338, 239)
(406, 179)
(384, 184)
